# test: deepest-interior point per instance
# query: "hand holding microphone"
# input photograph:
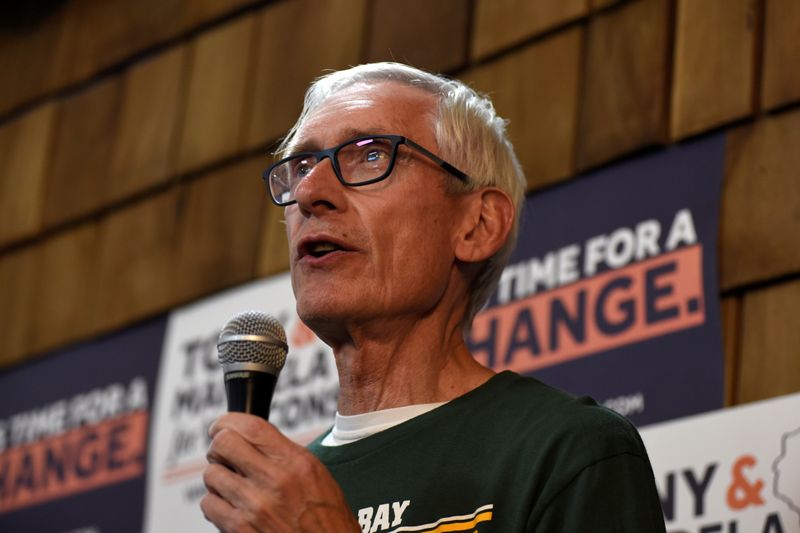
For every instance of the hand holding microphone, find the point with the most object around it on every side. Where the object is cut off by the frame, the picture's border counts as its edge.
(257, 479)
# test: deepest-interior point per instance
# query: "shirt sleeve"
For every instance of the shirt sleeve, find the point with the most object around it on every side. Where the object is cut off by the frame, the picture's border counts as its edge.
(616, 494)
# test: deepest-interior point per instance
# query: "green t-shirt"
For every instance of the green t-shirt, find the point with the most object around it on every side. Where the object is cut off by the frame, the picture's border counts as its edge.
(511, 455)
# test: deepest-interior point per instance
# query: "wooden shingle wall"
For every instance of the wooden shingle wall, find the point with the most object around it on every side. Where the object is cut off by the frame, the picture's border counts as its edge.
(132, 136)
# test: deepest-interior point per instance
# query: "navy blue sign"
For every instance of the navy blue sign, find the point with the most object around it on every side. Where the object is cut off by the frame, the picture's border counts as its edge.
(74, 433)
(612, 289)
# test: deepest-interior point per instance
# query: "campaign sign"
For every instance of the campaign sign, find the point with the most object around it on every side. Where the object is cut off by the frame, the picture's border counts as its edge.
(191, 395)
(73, 435)
(612, 290)
(731, 471)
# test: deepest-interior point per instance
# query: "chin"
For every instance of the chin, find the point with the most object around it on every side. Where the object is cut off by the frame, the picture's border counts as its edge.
(320, 312)
(328, 329)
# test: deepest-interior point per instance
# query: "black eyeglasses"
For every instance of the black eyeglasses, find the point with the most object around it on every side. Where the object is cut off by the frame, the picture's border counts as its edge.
(357, 162)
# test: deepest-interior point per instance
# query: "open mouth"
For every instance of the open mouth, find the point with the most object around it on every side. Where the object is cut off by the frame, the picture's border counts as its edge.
(321, 249)
(320, 245)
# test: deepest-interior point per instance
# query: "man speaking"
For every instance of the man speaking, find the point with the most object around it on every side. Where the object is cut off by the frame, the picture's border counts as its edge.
(402, 197)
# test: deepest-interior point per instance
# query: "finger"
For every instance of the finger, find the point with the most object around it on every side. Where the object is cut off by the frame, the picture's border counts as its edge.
(227, 484)
(253, 504)
(255, 429)
(265, 437)
(232, 450)
(223, 515)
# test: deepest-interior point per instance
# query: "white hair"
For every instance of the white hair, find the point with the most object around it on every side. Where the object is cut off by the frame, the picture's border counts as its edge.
(470, 136)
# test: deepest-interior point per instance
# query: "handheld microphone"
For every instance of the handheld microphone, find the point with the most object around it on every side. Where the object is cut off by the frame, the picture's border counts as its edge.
(252, 351)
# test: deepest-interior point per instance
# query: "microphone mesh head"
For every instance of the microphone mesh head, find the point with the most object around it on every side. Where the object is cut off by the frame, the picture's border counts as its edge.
(266, 347)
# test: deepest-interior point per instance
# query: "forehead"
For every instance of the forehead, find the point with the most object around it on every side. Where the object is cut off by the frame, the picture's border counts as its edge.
(370, 108)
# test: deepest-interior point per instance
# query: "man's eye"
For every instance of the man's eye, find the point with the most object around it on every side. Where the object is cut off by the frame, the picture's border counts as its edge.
(302, 169)
(375, 155)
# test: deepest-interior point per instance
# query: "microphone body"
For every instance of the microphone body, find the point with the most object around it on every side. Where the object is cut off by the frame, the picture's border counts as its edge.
(250, 392)
(252, 351)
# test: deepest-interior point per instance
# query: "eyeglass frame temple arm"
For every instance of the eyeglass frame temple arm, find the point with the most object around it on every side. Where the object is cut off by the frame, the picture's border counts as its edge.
(438, 160)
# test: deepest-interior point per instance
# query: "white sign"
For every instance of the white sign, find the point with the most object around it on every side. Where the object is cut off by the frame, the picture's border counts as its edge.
(730, 471)
(190, 394)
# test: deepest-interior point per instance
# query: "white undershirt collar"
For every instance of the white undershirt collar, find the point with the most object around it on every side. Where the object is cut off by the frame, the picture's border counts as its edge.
(347, 429)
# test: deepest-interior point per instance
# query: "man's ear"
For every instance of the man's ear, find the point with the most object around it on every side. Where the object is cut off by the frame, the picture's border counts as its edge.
(489, 215)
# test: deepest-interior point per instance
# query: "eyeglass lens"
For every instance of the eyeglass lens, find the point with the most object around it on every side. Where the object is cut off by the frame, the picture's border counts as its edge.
(359, 161)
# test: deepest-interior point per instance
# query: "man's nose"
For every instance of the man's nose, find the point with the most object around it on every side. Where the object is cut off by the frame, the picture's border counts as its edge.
(320, 189)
